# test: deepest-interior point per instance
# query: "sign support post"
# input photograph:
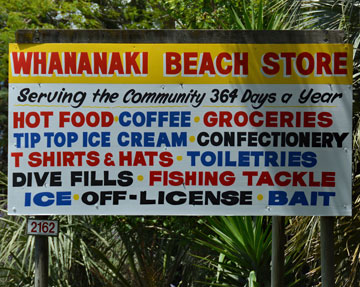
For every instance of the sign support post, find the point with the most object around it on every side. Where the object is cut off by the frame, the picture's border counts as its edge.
(41, 259)
(327, 251)
(41, 227)
(277, 254)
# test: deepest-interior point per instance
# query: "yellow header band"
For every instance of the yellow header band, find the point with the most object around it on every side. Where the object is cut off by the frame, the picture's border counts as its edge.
(181, 63)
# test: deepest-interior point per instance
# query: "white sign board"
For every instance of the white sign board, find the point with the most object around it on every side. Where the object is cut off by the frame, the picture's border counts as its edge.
(180, 129)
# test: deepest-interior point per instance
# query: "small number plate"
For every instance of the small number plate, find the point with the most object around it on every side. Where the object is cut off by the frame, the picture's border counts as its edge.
(42, 227)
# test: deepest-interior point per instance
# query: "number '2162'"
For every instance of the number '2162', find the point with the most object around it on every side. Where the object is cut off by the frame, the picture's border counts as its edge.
(42, 227)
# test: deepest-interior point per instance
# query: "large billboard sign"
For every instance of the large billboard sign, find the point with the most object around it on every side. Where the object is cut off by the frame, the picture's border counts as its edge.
(180, 129)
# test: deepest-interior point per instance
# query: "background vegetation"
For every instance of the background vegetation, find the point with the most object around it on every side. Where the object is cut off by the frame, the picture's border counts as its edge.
(177, 251)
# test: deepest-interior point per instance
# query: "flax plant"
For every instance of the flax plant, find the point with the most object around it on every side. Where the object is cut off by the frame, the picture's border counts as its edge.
(244, 247)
